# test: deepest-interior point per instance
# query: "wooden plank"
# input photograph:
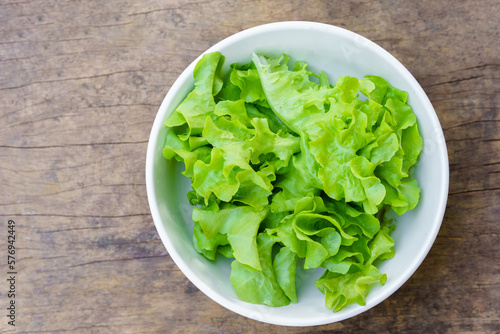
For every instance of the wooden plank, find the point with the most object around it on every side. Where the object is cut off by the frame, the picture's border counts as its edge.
(80, 85)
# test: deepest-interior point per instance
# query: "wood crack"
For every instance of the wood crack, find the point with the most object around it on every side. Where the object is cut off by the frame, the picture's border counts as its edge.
(116, 260)
(69, 79)
(78, 229)
(155, 10)
(453, 81)
(74, 145)
(474, 67)
(76, 216)
(472, 191)
(68, 330)
(472, 122)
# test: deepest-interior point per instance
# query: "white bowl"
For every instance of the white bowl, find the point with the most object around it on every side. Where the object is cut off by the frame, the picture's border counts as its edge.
(337, 52)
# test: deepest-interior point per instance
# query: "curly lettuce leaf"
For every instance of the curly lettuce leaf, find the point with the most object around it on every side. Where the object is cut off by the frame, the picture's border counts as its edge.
(285, 266)
(243, 83)
(200, 102)
(344, 174)
(283, 146)
(205, 246)
(299, 179)
(293, 97)
(181, 151)
(261, 286)
(344, 289)
(240, 236)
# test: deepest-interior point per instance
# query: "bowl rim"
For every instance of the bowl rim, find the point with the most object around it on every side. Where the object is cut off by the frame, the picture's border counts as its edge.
(187, 74)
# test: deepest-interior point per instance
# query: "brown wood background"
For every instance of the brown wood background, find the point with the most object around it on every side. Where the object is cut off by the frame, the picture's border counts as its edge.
(80, 85)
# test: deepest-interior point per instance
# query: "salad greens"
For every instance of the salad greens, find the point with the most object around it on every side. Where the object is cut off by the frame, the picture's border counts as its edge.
(288, 169)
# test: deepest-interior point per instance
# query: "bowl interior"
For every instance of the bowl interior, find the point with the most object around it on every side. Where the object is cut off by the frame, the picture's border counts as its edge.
(337, 52)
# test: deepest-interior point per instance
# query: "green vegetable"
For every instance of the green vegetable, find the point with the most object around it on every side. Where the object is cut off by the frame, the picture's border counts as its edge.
(286, 166)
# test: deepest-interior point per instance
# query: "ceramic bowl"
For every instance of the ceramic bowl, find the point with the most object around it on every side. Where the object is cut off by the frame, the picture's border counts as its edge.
(337, 52)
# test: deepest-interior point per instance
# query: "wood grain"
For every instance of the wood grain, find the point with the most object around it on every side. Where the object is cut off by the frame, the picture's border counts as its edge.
(80, 85)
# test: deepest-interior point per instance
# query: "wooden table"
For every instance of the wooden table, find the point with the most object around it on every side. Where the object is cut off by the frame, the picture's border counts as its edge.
(80, 85)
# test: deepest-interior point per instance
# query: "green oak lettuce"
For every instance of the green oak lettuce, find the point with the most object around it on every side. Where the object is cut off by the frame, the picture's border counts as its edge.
(288, 169)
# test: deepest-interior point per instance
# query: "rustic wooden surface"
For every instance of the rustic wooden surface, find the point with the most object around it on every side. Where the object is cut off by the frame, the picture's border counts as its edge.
(80, 85)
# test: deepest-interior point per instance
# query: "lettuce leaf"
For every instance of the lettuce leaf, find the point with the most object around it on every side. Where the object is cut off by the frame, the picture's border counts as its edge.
(190, 114)
(344, 289)
(285, 266)
(261, 286)
(285, 166)
(241, 237)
